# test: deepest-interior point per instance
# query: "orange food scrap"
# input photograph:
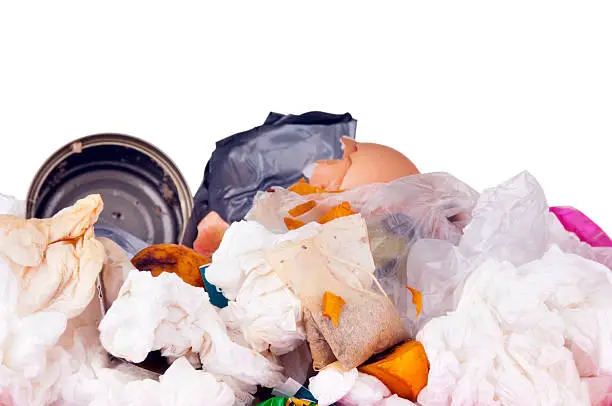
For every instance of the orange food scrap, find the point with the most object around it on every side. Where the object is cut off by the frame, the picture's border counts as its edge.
(417, 299)
(299, 402)
(342, 210)
(293, 224)
(304, 188)
(332, 305)
(302, 208)
(404, 371)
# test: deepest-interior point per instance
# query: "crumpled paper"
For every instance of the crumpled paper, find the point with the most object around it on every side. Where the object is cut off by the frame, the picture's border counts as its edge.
(520, 321)
(164, 313)
(56, 260)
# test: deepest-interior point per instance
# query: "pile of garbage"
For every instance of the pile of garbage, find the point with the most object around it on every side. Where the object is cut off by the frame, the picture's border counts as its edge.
(353, 280)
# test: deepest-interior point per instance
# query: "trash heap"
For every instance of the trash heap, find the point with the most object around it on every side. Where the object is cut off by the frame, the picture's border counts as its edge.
(350, 286)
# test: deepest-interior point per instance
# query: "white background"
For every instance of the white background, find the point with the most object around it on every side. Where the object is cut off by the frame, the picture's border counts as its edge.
(479, 89)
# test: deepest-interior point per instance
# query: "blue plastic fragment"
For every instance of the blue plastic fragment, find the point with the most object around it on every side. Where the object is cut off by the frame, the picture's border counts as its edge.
(305, 394)
(293, 389)
(214, 294)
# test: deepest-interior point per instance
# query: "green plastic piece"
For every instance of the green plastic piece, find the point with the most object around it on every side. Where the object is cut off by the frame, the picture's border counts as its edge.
(287, 402)
(275, 402)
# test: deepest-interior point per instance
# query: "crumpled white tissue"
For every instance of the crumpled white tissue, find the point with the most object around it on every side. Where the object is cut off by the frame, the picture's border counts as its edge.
(523, 335)
(46, 359)
(25, 344)
(522, 322)
(261, 309)
(164, 313)
(510, 222)
(396, 401)
(50, 352)
(334, 385)
(181, 385)
(12, 206)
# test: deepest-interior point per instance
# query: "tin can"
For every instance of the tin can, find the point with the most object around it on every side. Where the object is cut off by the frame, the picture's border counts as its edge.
(144, 192)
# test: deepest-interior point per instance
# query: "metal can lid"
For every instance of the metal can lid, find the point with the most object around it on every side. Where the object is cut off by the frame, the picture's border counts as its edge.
(144, 192)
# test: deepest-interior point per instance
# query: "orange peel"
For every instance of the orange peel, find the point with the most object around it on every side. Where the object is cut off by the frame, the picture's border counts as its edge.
(332, 306)
(417, 300)
(342, 210)
(293, 224)
(404, 371)
(303, 188)
(302, 208)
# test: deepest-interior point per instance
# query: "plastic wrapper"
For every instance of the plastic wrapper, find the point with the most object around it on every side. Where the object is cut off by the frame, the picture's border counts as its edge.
(297, 364)
(600, 390)
(507, 300)
(274, 154)
(585, 229)
(397, 214)
(130, 244)
(115, 270)
(286, 401)
(570, 242)
(293, 389)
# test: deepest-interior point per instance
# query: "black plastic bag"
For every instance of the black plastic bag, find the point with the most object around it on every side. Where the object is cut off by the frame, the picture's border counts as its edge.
(273, 154)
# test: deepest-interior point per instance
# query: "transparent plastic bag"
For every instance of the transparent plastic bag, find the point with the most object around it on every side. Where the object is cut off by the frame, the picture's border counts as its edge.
(397, 214)
(509, 291)
(405, 211)
(129, 243)
(509, 223)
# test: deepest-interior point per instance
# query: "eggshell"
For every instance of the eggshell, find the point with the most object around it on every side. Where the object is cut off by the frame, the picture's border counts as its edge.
(361, 164)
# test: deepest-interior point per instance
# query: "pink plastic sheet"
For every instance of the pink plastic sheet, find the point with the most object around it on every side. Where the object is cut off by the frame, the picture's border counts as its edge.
(578, 223)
